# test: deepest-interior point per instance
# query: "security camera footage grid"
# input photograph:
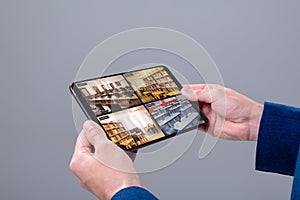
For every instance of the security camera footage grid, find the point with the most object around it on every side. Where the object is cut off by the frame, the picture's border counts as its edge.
(137, 107)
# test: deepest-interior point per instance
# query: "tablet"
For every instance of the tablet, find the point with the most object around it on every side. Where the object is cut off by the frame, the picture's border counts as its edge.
(138, 108)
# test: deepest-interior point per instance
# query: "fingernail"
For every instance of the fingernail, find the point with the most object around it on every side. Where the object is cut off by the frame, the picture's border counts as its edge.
(184, 87)
(89, 125)
(186, 90)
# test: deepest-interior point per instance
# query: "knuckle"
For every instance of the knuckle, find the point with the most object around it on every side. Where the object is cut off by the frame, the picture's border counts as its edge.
(72, 166)
(83, 184)
(75, 165)
(96, 135)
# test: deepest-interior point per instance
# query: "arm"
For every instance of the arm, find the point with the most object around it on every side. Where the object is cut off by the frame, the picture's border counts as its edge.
(234, 116)
(133, 193)
(278, 139)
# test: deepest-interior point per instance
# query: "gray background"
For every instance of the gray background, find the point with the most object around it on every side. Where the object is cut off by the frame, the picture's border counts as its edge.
(254, 43)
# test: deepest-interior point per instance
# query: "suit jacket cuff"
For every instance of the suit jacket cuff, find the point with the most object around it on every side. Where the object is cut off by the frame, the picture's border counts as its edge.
(133, 193)
(278, 139)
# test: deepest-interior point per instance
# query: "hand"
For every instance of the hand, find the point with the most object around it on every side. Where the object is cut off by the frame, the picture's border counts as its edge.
(231, 115)
(104, 170)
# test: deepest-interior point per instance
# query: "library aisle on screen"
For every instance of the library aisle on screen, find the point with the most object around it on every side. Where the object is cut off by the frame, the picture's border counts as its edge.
(131, 127)
(109, 94)
(174, 114)
(152, 84)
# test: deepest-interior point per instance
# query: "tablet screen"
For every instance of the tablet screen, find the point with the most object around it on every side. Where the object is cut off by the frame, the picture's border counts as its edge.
(140, 107)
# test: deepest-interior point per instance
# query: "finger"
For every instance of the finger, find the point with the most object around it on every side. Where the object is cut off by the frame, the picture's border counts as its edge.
(83, 185)
(207, 93)
(197, 93)
(82, 145)
(202, 86)
(94, 133)
(195, 86)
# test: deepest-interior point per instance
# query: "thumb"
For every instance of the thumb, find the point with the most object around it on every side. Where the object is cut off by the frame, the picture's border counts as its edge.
(198, 92)
(94, 133)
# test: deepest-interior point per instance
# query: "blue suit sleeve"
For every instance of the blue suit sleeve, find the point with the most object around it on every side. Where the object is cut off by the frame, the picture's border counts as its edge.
(296, 184)
(278, 139)
(133, 193)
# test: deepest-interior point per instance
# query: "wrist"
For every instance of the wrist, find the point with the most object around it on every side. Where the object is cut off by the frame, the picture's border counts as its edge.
(125, 183)
(254, 122)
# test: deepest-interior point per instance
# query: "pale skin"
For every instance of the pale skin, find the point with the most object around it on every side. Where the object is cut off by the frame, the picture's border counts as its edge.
(109, 169)
(97, 170)
(242, 115)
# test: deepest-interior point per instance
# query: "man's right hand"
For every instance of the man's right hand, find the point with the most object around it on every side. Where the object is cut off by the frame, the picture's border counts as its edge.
(231, 115)
(105, 169)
